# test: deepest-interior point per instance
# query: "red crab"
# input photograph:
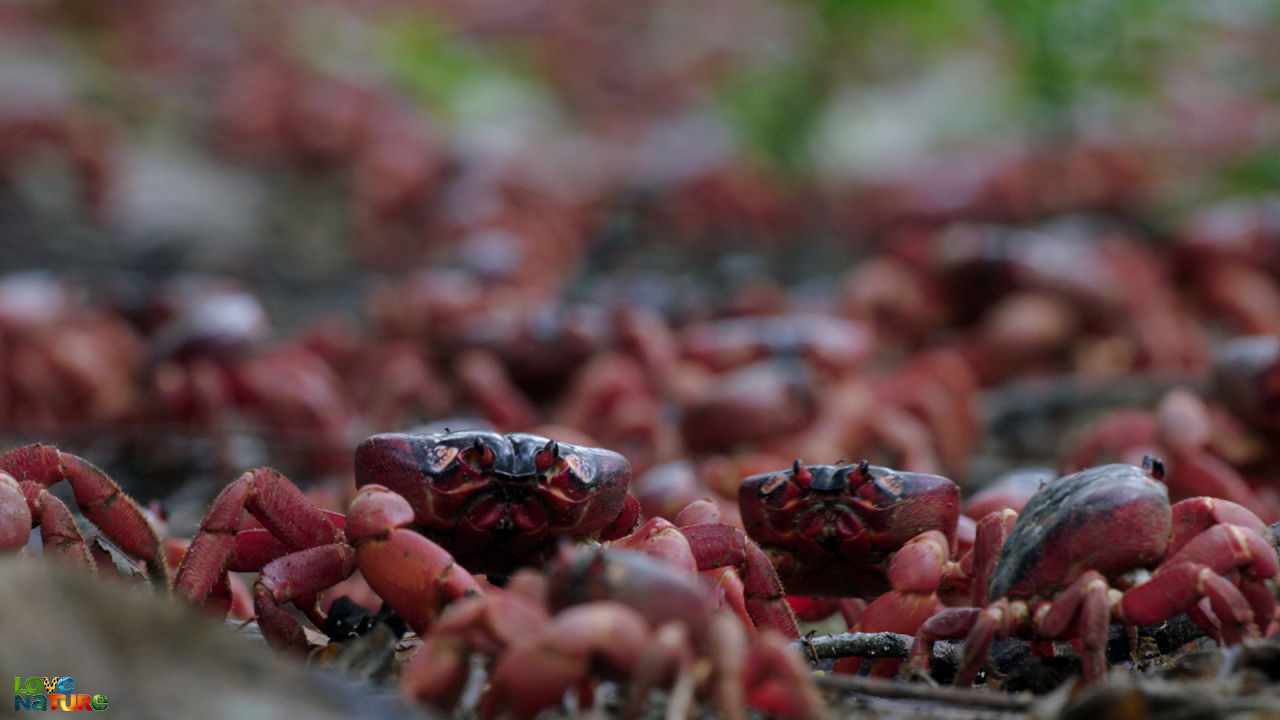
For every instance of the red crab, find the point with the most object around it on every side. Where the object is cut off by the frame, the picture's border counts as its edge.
(860, 532)
(830, 530)
(1075, 560)
(496, 501)
(614, 614)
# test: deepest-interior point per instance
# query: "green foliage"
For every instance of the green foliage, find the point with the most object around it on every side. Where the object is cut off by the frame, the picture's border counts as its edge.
(447, 70)
(1062, 56)
(1259, 172)
(1067, 51)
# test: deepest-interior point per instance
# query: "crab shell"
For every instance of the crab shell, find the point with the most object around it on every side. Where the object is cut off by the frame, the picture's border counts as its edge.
(1110, 518)
(498, 502)
(834, 535)
(659, 591)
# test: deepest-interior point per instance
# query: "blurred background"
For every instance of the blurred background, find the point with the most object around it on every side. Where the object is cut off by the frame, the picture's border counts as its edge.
(237, 233)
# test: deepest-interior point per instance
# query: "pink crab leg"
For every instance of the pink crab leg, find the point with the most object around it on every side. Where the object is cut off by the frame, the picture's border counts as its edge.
(536, 674)
(719, 545)
(996, 620)
(1195, 515)
(277, 503)
(15, 515)
(437, 672)
(1084, 607)
(256, 547)
(1188, 575)
(297, 575)
(36, 467)
(1263, 602)
(413, 575)
(58, 532)
(993, 529)
(946, 624)
(778, 680)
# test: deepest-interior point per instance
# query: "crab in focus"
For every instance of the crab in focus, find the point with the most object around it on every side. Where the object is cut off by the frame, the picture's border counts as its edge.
(861, 533)
(496, 502)
(1103, 544)
(831, 530)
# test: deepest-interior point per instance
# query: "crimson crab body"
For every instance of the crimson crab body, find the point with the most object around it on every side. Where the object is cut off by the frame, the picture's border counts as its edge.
(499, 502)
(1110, 518)
(1104, 544)
(831, 530)
(432, 508)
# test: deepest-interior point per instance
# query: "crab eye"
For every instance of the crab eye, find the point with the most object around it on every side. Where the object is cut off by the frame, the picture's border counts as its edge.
(800, 474)
(478, 456)
(547, 456)
(1154, 466)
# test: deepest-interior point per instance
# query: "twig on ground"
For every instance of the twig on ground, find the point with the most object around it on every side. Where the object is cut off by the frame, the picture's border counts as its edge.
(1166, 636)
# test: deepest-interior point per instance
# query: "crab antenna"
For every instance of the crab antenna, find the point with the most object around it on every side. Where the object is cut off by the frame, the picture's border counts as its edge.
(864, 468)
(802, 475)
(547, 455)
(1153, 465)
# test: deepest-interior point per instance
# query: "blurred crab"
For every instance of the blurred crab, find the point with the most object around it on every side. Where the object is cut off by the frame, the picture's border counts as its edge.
(65, 365)
(1078, 556)
(607, 614)
(1204, 446)
(212, 364)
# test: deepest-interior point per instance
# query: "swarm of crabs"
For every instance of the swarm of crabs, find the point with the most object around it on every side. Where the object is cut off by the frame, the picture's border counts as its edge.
(696, 605)
(659, 482)
(659, 503)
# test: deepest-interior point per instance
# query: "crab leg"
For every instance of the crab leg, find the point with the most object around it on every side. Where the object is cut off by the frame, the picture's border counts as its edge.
(58, 532)
(277, 503)
(1198, 569)
(946, 624)
(413, 575)
(1084, 608)
(993, 529)
(536, 674)
(15, 515)
(37, 467)
(302, 574)
(718, 545)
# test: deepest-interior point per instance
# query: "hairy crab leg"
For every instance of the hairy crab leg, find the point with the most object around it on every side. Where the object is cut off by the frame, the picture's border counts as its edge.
(115, 514)
(277, 503)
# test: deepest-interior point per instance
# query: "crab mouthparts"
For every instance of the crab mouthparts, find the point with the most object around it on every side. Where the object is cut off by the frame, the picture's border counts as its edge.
(507, 514)
(828, 526)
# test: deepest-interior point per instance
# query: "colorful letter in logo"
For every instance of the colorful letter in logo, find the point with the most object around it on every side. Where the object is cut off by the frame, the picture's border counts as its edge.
(58, 694)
